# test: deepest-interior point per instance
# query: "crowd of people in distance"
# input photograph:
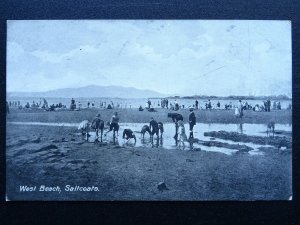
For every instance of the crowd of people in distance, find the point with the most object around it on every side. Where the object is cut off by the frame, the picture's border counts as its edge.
(102, 105)
(169, 104)
(244, 105)
(41, 104)
(166, 104)
(15, 104)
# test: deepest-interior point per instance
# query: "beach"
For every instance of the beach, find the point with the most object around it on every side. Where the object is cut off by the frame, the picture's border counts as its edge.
(41, 156)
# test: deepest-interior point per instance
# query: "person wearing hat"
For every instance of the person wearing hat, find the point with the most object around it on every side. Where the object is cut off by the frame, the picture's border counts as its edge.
(192, 121)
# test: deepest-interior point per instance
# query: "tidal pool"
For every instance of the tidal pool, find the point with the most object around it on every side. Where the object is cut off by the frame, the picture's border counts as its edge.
(167, 141)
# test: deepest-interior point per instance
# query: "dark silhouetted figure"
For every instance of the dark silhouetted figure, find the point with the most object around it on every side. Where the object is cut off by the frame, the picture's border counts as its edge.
(128, 134)
(192, 122)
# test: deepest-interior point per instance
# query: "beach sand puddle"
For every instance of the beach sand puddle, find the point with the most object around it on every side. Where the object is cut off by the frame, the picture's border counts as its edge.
(167, 141)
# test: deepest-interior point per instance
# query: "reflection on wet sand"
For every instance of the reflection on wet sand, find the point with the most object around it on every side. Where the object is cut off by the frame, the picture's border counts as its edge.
(240, 128)
(168, 142)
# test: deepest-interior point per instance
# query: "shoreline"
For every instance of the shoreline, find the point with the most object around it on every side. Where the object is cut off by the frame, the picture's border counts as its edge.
(135, 116)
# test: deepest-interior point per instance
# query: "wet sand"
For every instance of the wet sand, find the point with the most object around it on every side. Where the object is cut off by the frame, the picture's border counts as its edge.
(277, 141)
(57, 156)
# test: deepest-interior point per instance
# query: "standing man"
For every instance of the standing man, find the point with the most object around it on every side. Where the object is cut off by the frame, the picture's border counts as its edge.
(265, 106)
(209, 104)
(269, 105)
(192, 122)
(73, 106)
(149, 103)
(197, 104)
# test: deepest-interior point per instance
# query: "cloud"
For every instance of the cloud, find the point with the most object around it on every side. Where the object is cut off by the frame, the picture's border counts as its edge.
(47, 56)
(204, 57)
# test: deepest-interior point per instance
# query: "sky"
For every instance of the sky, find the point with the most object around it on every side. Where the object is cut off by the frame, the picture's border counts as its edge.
(183, 57)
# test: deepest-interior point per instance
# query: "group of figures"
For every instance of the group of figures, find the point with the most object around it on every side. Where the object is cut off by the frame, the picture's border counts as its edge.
(266, 107)
(41, 104)
(102, 105)
(164, 103)
(97, 124)
(180, 134)
(153, 129)
(150, 106)
(175, 106)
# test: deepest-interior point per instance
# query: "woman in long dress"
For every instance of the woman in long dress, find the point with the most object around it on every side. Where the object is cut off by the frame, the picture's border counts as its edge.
(240, 108)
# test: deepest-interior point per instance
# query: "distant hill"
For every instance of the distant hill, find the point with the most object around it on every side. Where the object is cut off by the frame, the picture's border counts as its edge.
(92, 91)
(235, 97)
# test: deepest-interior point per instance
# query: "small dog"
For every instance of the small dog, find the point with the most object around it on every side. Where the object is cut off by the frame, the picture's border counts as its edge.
(270, 128)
